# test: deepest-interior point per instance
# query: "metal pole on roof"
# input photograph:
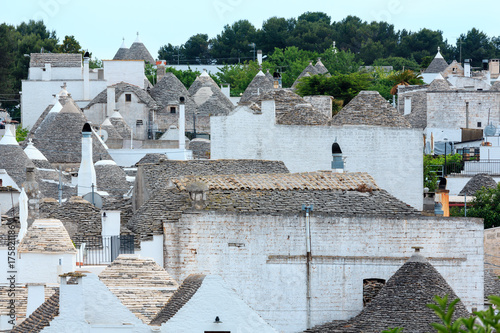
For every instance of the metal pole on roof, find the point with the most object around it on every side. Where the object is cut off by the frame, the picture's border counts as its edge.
(465, 203)
(60, 185)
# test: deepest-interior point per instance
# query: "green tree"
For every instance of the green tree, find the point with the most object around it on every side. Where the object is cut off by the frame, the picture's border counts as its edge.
(8, 52)
(486, 205)
(275, 33)
(186, 77)
(196, 49)
(312, 32)
(398, 63)
(238, 76)
(172, 54)
(21, 133)
(476, 45)
(290, 62)
(232, 45)
(405, 78)
(343, 87)
(70, 45)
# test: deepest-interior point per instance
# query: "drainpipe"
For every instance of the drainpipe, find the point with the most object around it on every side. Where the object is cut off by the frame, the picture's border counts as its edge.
(308, 209)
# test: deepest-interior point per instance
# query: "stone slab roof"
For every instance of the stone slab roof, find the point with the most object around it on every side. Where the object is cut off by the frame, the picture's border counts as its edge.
(61, 142)
(41, 317)
(121, 88)
(46, 236)
(369, 108)
(496, 86)
(476, 183)
(259, 85)
(141, 284)
(285, 100)
(437, 65)
(188, 288)
(320, 68)
(402, 302)
(303, 114)
(439, 84)
(308, 71)
(337, 194)
(121, 126)
(39, 121)
(168, 91)
(14, 160)
(138, 51)
(56, 59)
(5, 226)
(121, 53)
(111, 178)
(21, 301)
(208, 97)
(491, 281)
(327, 181)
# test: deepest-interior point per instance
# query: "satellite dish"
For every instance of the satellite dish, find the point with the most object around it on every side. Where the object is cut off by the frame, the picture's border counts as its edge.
(104, 135)
(490, 130)
(97, 198)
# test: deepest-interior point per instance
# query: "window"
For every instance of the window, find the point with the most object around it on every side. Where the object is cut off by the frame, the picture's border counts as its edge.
(479, 124)
(173, 109)
(371, 287)
(128, 97)
(138, 122)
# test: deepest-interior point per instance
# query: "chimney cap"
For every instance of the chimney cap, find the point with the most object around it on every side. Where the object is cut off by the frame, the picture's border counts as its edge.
(86, 128)
(182, 99)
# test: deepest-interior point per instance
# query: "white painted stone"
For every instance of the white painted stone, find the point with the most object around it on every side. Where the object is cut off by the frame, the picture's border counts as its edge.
(215, 299)
(393, 156)
(153, 249)
(268, 270)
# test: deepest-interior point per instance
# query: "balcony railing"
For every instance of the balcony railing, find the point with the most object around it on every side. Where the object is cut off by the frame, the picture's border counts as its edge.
(102, 250)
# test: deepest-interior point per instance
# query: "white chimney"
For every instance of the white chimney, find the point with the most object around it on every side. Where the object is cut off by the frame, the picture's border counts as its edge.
(86, 77)
(86, 173)
(182, 124)
(36, 297)
(71, 298)
(259, 57)
(467, 67)
(110, 222)
(110, 106)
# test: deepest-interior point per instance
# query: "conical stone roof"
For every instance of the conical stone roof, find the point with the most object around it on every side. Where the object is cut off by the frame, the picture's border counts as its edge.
(259, 85)
(270, 76)
(14, 160)
(308, 71)
(138, 51)
(369, 108)
(120, 125)
(62, 140)
(111, 130)
(496, 86)
(122, 51)
(320, 68)
(303, 114)
(439, 83)
(168, 91)
(437, 65)
(208, 97)
(402, 302)
(111, 178)
(478, 182)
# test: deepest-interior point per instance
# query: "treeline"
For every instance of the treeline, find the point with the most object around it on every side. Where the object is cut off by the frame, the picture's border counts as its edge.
(371, 42)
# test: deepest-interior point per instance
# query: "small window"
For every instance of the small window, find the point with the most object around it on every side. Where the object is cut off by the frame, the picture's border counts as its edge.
(128, 97)
(173, 109)
(479, 124)
(138, 122)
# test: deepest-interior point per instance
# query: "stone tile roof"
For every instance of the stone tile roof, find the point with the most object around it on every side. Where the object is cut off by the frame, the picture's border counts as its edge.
(152, 158)
(141, 284)
(200, 148)
(41, 317)
(320, 68)
(259, 85)
(303, 114)
(56, 59)
(120, 125)
(111, 178)
(156, 176)
(337, 194)
(402, 302)
(496, 86)
(113, 134)
(14, 160)
(21, 302)
(121, 88)
(327, 181)
(491, 281)
(39, 121)
(188, 288)
(270, 76)
(168, 91)
(369, 108)
(61, 142)
(308, 71)
(138, 51)
(476, 183)
(437, 65)
(439, 84)
(285, 100)
(46, 236)
(121, 53)
(5, 226)
(208, 97)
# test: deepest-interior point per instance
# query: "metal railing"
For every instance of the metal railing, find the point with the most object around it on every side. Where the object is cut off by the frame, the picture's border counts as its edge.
(102, 250)
(490, 167)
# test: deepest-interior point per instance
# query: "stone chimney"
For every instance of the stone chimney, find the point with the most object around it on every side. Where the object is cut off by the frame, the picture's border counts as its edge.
(86, 76)
(160, 70)
(198, 194)
(182, 123)
(259, 57)
(33, 192)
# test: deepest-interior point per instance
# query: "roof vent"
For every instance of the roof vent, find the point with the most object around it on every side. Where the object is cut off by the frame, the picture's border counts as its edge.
(86, 128)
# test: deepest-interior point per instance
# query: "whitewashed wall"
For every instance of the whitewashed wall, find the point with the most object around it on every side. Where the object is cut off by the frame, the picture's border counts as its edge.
(268, 270)
(153, 249)
(130, 71)
(44, 267)
(215, 299)
(393, 156)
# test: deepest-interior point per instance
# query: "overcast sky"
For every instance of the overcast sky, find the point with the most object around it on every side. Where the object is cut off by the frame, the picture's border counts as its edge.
(99, 26)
